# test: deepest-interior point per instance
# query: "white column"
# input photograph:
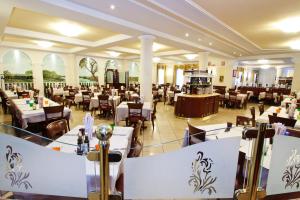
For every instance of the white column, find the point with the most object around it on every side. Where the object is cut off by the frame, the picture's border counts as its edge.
(37, 74)
(296, 77)
(228, 79)
(278, 73)
(146, 67)
(203, 60)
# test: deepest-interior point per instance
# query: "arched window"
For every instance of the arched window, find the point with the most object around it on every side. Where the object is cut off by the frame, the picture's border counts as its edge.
(88, 70)
(17, 69)
(53, 69)
(134, 72)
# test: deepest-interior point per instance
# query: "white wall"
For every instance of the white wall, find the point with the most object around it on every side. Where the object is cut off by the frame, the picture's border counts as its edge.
(267, 76)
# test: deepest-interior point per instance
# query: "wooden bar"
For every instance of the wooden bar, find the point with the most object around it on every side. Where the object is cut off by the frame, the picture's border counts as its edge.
(197, 105)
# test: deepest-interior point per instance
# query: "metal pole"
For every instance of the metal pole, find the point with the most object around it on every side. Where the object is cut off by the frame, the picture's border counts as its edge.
(104, 169)
(255, 161)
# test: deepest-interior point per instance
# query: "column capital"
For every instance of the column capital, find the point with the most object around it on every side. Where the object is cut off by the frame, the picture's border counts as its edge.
(147, 37)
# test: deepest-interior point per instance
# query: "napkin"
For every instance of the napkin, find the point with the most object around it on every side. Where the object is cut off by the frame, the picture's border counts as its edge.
(88, 121)
(280, 129)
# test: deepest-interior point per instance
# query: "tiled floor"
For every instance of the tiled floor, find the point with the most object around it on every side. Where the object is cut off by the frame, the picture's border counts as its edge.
(169, 129)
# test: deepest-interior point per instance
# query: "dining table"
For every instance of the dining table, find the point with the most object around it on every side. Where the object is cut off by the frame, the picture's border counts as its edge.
(10, 94)
(240, 96)
(264, 118)
(122, 111)
(94, 102)
(217, 132)
(119, 141)
(27, 114)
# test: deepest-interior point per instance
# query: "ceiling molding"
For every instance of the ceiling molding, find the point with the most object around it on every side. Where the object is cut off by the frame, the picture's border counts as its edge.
(197, 6)
(236, 46)
(124, 49)
(172, 53)
(97, 14)
(33, 47)
(6, 9)
(46, 36)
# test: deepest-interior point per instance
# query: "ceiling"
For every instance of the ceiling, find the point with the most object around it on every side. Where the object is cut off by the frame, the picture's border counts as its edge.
(232, 30)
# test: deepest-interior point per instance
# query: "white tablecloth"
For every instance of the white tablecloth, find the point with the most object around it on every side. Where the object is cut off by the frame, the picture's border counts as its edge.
(265, 119)
(262, 95)
(120, 141)
(10, 95)
(78, 97)
(27, 115)
(122, 111)
(95, 102)
(58, 91)
(176, 96)
(240, 96)
(216, 131)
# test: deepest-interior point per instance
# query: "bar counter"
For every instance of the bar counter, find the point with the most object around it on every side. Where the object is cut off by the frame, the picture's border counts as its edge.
(197, 105)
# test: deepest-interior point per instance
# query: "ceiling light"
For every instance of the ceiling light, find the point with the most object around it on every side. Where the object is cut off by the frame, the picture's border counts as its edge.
(156, 46)
(262, 61)
(210, 43)
(156, 59)
(295, 45)
(187, 34)
(44, 44)
(240, 54)
(190, 56)
(68, 29)
(114, 54)
(265, 66)
(289, 25)
(112, 6)
(199, 39)
(234, 52)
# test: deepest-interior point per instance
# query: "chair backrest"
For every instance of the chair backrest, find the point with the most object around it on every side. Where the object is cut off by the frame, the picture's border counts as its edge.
(58, 99)
(86, 96)
(103, 101)
(243, 121)
(56, 128)
(195, 132)
(135, 109)
(293, 132)
(54, 112)
(23, 94)
(252, 133)
(285, 121)
(72, 92)
(261, 108)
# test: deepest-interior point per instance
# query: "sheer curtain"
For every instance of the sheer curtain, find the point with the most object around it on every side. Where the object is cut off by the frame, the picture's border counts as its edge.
(179, 77)
(161, 76)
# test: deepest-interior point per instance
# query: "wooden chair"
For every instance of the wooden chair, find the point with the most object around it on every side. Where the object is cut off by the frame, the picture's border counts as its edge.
(86, 100)
(293, 132)
(165, 95)
(242, 120)
(261, 108)
(196, 135)
(153, 114)
(104, 105)
(36, 92)
(54, 113)
(135, 113)
(56, 128)
(136, 133)
(285, 121)
(136, 150)
(58, 99)
(23, 95)
(269, 97)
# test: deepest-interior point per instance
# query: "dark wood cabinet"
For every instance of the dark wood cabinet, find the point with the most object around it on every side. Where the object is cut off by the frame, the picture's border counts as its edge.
(196, 105)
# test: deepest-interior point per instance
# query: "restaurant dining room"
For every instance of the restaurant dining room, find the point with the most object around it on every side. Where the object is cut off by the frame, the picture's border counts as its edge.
(149, 99)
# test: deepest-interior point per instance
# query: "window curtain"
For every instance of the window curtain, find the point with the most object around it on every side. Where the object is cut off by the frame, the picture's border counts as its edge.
(161, 73)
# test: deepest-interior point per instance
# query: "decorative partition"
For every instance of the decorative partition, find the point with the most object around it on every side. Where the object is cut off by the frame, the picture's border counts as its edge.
(198, 171)
(29, 168)
(284, 174)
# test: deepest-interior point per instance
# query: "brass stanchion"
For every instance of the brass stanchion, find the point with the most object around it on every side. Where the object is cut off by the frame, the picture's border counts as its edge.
(103, 133)
(252, 191)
